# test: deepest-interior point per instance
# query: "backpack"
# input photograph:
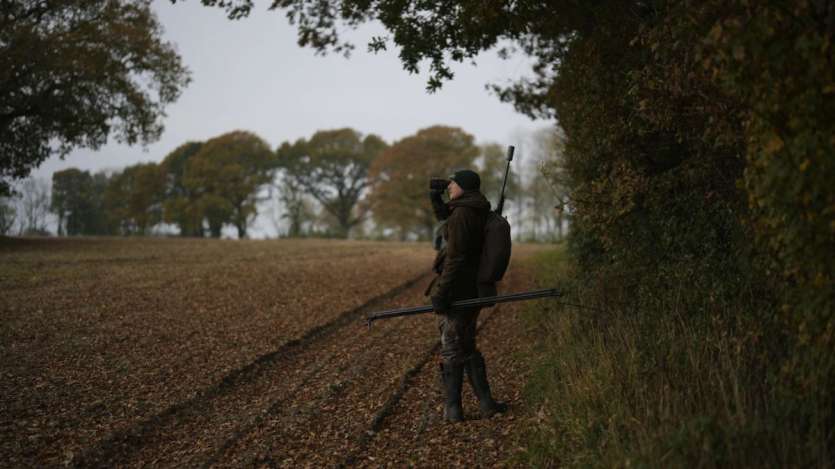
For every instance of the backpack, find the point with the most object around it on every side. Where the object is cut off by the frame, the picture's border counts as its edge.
(495, 254)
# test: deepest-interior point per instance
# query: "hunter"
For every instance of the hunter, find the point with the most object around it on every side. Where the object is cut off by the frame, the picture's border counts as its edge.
(463, 219)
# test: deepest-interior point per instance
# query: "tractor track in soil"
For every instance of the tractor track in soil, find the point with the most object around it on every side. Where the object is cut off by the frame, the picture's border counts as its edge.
(123, 444)
(358, 420)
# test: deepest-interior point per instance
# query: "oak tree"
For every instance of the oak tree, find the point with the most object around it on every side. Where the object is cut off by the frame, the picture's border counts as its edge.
(224, 178)
(78, 202)
(180, 206)
(133, 199)
(332, 167)
(399, 196)
(74, 73)
(70, 199)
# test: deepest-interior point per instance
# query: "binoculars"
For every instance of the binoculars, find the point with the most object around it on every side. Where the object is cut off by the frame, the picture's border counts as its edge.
(438, 184)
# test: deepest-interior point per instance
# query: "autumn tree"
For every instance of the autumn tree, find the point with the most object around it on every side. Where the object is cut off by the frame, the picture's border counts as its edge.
(8, 215)
(332, 167)
(180, 206)
(552, 176)
(71, 200)
(78, 202)
(97, 223)
(133, 199)
(224, 178)
(34, 206)
(290, 190)
(537, 189)
(63, 186)
(74, 73)
(399, 195)
(296, 204)
(539, 207)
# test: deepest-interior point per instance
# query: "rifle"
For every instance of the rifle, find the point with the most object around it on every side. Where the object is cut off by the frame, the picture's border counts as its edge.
(500, 206)
(461, 304)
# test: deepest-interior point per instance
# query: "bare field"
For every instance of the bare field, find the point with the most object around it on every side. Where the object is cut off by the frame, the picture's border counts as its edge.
(204, 352)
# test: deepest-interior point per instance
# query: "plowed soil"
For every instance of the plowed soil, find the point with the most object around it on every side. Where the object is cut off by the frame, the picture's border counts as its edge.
(204, 353)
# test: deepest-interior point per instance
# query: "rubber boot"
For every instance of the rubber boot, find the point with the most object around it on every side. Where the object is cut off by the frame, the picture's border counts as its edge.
(452, 377)
(477, 375)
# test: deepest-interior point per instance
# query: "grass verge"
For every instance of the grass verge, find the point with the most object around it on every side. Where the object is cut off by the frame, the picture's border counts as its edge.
(659, 385)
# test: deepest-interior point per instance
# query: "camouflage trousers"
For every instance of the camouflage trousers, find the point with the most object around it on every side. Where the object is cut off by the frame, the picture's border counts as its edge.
(458, 332)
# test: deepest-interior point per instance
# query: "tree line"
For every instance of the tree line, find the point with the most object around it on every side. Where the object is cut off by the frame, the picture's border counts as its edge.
(337, 183)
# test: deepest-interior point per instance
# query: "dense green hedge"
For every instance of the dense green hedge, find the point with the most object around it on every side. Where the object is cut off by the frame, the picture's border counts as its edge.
(700, 151)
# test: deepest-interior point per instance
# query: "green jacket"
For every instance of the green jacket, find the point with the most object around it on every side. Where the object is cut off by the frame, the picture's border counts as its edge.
(457, 263)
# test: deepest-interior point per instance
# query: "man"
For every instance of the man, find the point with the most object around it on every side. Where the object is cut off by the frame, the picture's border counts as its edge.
(457, 268)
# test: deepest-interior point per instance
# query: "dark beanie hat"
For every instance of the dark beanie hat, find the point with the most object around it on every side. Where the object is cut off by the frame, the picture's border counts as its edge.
(468, 180)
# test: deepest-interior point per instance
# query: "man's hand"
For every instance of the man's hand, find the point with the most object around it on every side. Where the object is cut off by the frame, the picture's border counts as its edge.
(441, 305)
(438, 206)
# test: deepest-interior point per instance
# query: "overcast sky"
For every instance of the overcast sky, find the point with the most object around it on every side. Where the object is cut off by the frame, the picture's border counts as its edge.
(251, 75)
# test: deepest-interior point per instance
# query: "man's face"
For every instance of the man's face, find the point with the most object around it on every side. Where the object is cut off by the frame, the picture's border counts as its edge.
(455, 190)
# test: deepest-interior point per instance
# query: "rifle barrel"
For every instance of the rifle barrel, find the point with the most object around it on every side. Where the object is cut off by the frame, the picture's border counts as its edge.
(489, 300)
(500, 206)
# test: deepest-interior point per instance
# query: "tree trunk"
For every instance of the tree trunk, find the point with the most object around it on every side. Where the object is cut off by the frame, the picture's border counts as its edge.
(215, 229)
(295, 228)
(344, 220)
